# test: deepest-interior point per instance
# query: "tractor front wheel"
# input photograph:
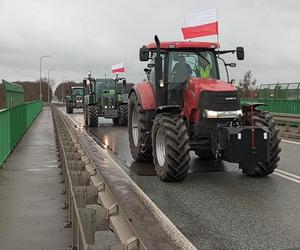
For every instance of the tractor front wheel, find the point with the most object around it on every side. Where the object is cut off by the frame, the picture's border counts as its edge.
(92, 116)
(170, 144)
(123, 115)
(139, 138)
(256, 169)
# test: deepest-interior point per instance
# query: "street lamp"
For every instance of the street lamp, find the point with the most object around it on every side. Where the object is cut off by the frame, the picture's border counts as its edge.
(41, 74)
(49, 82)
(62, 89)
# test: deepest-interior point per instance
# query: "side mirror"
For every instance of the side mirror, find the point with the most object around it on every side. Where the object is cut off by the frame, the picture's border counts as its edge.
(240, 53)
(124, 83)
(144, 54)
(84, 82)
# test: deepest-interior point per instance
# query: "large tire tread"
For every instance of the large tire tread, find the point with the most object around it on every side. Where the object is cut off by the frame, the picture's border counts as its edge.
(138, 152)
(177, 147)
(123, 119)
(92, 115)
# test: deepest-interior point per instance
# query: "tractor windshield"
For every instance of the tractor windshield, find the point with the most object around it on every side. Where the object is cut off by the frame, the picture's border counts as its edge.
(104, 85)
(184, 64)
(77, 91)
(189, 63)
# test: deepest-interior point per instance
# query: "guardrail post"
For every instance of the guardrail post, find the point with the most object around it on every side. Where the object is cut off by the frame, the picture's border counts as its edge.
(93, 219)
(287, 126)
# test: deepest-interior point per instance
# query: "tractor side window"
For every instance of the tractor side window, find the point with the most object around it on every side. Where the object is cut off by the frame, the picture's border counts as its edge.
(152, 73)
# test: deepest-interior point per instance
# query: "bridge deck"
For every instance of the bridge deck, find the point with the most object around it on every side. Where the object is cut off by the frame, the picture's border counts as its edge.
(31, 216)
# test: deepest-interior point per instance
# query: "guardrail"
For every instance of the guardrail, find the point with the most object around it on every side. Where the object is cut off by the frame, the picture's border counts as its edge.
(14, 122)
(101, 197)
(288, 120)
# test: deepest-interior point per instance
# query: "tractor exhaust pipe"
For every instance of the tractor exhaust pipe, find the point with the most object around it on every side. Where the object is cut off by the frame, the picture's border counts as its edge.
(158, 75)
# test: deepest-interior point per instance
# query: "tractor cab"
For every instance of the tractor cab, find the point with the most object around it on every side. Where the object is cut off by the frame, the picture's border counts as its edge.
(176, 63)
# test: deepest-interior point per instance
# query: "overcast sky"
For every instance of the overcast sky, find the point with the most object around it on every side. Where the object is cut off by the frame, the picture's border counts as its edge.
(94, 34)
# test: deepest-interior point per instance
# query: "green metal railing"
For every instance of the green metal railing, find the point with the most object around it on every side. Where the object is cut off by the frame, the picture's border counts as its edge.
(278, 106)
(14, 122)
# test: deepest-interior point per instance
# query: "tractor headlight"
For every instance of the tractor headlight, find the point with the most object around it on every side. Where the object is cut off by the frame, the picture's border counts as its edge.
(105, 107)
(222, 114)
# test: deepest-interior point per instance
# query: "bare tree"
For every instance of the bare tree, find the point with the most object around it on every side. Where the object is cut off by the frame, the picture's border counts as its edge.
(247, 87)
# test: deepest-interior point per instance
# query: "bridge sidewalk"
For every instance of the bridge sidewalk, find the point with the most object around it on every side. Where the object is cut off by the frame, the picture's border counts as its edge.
(30, 201)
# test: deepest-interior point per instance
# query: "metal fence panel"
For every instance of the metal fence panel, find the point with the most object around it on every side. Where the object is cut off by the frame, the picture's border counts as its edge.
(14, 94)
(5, 145)
(278, 106)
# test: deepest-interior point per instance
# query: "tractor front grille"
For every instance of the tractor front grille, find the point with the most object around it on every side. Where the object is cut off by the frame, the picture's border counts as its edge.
(220, 100)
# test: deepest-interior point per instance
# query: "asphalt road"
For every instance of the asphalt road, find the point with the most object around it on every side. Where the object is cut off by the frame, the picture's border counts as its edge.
(216, 207)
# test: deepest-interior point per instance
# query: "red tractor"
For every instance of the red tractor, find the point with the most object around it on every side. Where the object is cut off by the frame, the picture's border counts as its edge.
(183, 106)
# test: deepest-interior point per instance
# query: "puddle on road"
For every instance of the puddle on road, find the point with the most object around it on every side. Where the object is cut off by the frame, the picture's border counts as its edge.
(143, 168)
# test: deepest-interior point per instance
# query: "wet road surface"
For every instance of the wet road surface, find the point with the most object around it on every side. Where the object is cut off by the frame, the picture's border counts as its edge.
(216, 207)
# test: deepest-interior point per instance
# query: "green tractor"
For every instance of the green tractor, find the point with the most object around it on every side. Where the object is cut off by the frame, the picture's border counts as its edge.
(106, 99)
(74, 99)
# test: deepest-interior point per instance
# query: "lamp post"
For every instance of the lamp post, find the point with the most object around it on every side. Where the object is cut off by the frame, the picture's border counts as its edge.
(49, 82)
(62, 89)
(41, 74)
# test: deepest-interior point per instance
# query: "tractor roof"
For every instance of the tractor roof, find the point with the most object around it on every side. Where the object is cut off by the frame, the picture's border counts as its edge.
(185, 45)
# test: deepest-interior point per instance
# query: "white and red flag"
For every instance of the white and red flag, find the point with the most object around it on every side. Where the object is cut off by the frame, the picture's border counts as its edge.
(118, 68)
(201, 24)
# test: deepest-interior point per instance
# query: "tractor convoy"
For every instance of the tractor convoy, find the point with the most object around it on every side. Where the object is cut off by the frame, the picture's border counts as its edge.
(183, 106)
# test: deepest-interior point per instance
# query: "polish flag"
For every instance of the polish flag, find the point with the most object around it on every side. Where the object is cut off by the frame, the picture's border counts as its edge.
(202, 24)
(118, 68)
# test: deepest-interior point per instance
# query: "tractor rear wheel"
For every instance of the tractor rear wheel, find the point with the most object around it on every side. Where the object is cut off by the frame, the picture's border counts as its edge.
(123, 115)
(70, 108)
(92, 116)
(67, 108)
(139, 139)
(85, 115)
(170, 144)
(205, 154)
(256, 169)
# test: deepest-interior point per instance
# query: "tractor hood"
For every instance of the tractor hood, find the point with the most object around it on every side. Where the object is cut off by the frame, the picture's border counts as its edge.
(212, 94)
(203, 84)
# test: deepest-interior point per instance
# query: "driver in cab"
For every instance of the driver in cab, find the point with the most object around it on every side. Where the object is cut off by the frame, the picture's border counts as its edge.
(181, 70)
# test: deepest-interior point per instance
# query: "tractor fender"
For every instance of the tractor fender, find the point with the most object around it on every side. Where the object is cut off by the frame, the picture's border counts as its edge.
(247, 106)
(145, 94)
(173, 109)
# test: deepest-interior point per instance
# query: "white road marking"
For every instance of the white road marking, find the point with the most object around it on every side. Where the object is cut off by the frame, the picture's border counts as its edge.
(288, 174)
(293, 142)
(287, 177)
